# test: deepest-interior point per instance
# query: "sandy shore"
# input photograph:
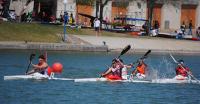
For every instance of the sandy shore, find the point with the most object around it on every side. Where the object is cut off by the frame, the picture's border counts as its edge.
(156, 44)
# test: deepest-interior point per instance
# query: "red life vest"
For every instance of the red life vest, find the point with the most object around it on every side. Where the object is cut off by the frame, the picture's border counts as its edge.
(182, 71)
(115, 74)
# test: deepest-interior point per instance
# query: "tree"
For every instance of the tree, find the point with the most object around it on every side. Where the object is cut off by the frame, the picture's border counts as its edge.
(150, 4)
(99, 4)
(6, 5)
(102, 5)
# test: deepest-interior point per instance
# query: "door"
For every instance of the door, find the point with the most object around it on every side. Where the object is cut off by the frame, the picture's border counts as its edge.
(188, 13)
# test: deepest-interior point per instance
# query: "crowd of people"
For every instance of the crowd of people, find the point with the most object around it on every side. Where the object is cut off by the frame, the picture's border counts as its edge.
(185, 30)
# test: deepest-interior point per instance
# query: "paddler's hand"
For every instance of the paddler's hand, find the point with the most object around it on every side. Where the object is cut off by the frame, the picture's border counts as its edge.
(102, 75)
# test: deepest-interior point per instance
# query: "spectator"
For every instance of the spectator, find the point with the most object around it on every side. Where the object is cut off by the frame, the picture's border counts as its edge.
(71, 19)
(43, 17)
(198, 32)
(190, 28)
(61, 17)
(183, 27)
(156, 27)
(179, 33)
(97, 26)
(66, 18)
(29, 17)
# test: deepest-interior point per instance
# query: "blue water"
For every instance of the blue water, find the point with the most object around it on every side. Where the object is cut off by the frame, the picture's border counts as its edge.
(84, 65)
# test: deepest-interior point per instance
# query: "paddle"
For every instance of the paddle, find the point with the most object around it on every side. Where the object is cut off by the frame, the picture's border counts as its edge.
(184, 68)
(144, 56)
(30, 60)
(126, 49)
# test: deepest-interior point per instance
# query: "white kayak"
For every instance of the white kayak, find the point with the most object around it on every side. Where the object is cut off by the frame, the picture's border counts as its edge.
(35, 76)
(167, 81)
(38, 76)
(107, 80)
(174, 81)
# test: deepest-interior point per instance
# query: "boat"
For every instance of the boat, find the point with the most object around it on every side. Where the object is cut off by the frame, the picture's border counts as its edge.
(174, 81)
(38, 76)
(34, 76)
(108, 80)
(165, 80)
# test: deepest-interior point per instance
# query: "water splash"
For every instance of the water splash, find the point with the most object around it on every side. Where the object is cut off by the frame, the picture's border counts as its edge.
(162, 68)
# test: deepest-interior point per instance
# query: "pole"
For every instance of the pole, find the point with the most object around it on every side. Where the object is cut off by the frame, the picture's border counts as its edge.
(65, 21)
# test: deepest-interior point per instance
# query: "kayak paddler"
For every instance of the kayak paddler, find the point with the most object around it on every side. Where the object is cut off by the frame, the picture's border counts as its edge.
(140, 71)
(114, 72)
(118, 71)
(41, 67)
(182, 71)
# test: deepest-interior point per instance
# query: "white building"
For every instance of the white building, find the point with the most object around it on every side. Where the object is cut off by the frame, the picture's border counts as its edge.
(169, 13)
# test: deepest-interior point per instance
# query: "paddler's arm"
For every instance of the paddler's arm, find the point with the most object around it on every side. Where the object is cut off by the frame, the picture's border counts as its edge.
(134, 72)
(129, 66)
(107, 72)
(40, 67)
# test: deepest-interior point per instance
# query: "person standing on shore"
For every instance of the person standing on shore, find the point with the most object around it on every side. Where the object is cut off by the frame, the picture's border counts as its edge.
(97, 26)
(190, 28)
(183, 28)
(198, 32)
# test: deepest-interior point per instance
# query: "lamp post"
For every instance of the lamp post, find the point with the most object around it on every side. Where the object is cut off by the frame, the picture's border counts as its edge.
(65, 20)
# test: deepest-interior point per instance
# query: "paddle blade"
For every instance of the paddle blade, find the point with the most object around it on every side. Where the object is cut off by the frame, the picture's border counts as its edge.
(146, 54)
(128, 47)
(173, 58)
(31, 56)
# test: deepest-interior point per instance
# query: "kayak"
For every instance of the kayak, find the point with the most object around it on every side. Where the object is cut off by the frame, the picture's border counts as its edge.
(34, 76)
(162, 81)
(108, 80)
(173, 81)
(38, 76)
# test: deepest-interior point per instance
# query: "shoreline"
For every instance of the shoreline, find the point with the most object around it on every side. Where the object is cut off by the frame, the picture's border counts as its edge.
(89, 43)
(82, 48)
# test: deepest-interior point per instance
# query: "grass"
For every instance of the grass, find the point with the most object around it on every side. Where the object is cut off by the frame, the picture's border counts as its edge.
(35, 32)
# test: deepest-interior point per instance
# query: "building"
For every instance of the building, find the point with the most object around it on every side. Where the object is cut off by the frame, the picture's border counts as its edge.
(170, 14)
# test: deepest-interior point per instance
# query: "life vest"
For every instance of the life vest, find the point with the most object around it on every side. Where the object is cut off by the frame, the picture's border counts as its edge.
(141, 69)
(181, 71)
(115, 74)
(44, 70)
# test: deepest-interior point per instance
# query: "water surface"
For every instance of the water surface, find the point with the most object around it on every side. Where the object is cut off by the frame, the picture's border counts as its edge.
(84, 65)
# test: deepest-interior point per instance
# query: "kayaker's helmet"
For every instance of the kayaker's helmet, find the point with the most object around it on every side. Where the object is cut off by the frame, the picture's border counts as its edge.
(181, 62)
